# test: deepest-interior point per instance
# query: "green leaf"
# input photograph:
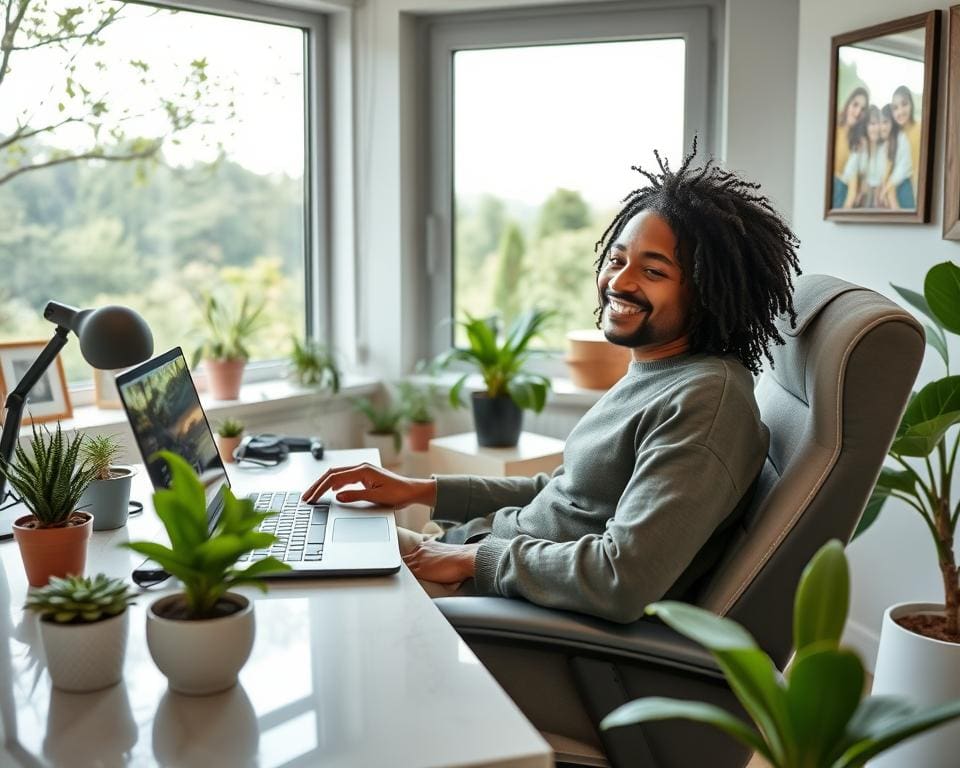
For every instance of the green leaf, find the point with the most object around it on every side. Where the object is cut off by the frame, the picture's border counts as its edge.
(897, 480)
(825, 688)
(941, 288)
(822, 599)
(262, 567)
(917, 301)
(870, 513)
(711, 631)
(936, 340)
(928, 416)
(657, 708)
(873, 714)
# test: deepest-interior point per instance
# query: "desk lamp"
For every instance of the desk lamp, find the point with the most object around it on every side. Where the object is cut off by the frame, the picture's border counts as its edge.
(110, 337)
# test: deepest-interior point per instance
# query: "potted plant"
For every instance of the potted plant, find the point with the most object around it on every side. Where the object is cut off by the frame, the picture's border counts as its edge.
(919, 649)
(83, 628)
(229, 435)
(50, 478)
(314, 365)
(107, 497)
(509, 389)
(223, 349)
(594, 362)
(201, 637)
(384, 431)
(815, 715)
(418, 401)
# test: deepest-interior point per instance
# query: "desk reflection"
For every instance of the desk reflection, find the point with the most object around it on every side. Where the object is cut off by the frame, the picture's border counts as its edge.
(90, 729)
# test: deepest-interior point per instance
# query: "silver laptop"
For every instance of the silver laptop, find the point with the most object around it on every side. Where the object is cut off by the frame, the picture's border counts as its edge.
(327, 539)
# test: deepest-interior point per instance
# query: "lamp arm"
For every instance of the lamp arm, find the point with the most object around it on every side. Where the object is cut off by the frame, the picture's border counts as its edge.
(17, 399)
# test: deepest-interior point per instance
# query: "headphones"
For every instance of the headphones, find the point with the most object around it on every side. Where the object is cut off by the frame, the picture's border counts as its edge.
(270, 450)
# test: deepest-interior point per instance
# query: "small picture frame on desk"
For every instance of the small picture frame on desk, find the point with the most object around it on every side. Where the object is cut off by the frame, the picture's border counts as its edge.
(49, 400)
(105, 391)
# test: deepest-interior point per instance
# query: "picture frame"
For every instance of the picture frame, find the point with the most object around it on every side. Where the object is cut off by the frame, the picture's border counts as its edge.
(951, 172)
(105, 393)
(881, 122)
(49, 400)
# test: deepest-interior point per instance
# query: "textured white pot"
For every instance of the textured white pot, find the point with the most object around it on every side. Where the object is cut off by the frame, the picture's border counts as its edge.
(389, 455)
(200, 656)
(926, 672)
(85, 657)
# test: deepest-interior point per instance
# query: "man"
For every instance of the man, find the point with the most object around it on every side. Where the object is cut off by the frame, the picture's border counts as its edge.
(690, 276)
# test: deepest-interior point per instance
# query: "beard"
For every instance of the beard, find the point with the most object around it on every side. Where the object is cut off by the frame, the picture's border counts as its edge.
(640, 336)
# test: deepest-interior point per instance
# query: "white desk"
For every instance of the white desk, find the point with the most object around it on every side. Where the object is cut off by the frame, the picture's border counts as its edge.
(359, 672)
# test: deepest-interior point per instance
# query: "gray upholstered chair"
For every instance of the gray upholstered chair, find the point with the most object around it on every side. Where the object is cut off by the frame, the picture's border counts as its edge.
(832, 404)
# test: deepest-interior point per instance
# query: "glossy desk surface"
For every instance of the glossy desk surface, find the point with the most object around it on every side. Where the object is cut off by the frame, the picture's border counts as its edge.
(360, 672)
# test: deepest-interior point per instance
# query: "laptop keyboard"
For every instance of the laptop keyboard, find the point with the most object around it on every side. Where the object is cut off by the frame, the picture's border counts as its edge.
(299, 527)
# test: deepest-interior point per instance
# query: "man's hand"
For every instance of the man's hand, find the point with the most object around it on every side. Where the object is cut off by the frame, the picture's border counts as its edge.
(380, 486)
(442, 563)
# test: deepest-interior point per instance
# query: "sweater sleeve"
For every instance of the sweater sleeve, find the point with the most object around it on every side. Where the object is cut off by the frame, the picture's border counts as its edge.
(463, 497)
(678, 495)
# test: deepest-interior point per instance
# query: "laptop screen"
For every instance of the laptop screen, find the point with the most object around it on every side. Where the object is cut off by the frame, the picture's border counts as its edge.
(165, 414)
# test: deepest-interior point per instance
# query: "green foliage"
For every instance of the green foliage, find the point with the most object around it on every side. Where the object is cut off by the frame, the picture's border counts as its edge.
(924, 433)
(80, 599)
(506, 296)
(314, 365)
(816, 716)
(230, 427)
(206, 560)
(418, 401)
(50, 477)
(227, 327)
(564, 210)
(479, 230)
(502, 365)
(384, 419)
(100, 452)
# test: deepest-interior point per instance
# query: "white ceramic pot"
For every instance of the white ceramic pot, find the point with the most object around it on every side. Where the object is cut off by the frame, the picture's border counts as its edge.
(924, 671)
(85, 657)
(200, 656)
(386, 444)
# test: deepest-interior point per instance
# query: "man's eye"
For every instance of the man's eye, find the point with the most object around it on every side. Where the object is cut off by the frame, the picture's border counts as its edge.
(655, 273)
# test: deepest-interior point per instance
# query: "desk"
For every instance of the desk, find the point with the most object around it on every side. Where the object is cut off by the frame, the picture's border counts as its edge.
(359, 672)
(462, 455)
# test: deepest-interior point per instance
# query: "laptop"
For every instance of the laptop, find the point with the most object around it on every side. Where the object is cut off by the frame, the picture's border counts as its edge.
(326, 539)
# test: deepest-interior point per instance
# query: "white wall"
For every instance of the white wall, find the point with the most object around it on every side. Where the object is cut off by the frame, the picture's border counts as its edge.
(894, 561)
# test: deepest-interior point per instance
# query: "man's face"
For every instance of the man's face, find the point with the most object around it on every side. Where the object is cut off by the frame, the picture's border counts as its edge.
(645, 302)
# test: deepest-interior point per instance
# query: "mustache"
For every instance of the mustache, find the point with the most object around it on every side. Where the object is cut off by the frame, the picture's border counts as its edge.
(627, 299)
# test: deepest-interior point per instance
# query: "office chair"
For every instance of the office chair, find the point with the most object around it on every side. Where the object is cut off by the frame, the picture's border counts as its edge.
(832, 403)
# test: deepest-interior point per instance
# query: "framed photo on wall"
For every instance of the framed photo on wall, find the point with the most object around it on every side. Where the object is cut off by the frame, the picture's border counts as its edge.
(49, 399)
(882, 113)
(105, 389)
(951, 175)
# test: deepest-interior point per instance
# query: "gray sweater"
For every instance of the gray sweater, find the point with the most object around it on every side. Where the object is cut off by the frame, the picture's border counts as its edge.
(651, 476)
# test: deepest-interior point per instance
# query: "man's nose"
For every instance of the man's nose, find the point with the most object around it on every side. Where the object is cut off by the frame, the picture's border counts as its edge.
(625, 281)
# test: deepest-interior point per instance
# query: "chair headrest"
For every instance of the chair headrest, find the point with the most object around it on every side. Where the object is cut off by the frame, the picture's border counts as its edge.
(818, 291)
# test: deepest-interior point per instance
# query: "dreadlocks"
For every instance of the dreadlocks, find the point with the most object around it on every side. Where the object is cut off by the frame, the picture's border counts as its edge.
(733, 245)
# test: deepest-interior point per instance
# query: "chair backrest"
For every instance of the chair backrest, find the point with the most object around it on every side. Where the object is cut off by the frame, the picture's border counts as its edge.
(832, 402)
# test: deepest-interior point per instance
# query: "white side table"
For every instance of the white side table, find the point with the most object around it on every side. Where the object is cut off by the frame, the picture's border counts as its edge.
(460, 455)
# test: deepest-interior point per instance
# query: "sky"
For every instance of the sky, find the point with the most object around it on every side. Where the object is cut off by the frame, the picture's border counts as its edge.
(883, 73)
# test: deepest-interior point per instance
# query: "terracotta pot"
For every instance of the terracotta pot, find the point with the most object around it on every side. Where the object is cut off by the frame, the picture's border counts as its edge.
(225, 377)
(50, 552)
(226, 446)
(594, 362)
(420, 435)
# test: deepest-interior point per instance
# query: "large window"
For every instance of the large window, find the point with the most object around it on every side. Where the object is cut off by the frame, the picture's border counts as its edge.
(148, 155)
(536, 123)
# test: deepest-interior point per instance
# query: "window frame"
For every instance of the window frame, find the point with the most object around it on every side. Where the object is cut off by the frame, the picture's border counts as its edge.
(444, 36)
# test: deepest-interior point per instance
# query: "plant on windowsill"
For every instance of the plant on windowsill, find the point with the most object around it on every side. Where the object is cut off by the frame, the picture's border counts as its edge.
(384, 427)
(920, 642)
(313, 364)
(813, 715)
(83, 627)
(107, 497)
(226, 330)
(419, 401)
(201, 637)
(509, 387)
(229, 435)
(50, 478)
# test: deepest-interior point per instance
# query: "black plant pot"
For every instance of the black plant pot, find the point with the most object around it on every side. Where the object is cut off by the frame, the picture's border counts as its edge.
(498, 420)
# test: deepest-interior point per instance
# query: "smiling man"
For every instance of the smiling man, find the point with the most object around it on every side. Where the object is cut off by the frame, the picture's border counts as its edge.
(691, 275)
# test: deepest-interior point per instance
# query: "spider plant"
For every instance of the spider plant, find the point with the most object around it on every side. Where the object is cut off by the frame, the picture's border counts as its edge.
(101, 452)
(314, 365)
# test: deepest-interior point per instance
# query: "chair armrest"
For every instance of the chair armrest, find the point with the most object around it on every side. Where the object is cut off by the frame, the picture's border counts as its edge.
(647, 640)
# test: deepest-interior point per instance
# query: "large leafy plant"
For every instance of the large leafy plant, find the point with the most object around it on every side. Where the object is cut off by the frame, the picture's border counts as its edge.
(815, 716)
(51, 476)
(502, 365)
(226, 327)
(923, 449)
(206, 560)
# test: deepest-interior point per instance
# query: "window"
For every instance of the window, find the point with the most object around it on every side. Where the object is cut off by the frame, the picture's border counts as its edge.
(536, 122)
(149, 154)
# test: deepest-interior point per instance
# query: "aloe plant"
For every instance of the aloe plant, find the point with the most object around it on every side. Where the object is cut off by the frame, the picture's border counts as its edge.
(315, 365)
(101, 452)
(50, 477)
(922, 480)
(502, 365)
(206, 560)
(80, 599)
(226, 328)
(816, 715)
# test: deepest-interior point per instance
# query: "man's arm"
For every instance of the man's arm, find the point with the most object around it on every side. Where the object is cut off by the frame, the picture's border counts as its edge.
(463, 497)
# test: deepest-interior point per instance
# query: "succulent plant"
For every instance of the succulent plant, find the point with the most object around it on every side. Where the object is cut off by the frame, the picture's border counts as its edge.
(100, 453)
(80, 599)
(230, 428)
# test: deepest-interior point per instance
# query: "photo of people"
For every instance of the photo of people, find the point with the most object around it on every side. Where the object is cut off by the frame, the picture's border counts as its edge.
(878, 125)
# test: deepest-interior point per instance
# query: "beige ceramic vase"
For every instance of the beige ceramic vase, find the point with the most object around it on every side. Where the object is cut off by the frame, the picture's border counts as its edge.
(50, 552)
(225, 377)
(593, 361)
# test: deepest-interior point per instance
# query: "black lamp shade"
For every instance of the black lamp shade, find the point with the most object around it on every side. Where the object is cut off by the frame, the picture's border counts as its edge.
(113, 337)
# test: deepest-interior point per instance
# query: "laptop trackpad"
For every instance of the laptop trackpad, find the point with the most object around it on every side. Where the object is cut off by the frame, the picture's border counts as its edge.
(354, 530)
